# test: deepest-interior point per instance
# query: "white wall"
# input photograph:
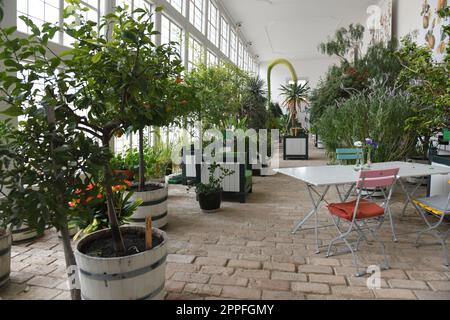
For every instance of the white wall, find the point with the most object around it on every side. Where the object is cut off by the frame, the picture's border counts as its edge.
(406, 17)
(310, 69)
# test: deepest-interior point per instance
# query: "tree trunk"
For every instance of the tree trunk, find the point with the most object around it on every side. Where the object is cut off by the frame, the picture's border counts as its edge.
(119, 245)
(69, 256)
(141, 161)
(68, 250)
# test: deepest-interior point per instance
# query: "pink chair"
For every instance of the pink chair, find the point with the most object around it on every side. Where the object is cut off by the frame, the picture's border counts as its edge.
(360, 213)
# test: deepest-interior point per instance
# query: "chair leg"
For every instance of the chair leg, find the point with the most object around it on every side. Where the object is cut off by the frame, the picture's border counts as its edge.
(355, 259)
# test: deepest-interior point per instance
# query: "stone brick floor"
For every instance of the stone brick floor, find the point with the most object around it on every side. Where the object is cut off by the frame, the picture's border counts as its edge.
(246, 251)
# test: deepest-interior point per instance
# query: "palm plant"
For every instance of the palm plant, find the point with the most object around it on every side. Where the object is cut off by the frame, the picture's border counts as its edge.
(294, 95)
(254, 103)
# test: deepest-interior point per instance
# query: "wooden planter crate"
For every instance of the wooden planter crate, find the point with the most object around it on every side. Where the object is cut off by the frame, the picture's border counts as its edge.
(296, 148)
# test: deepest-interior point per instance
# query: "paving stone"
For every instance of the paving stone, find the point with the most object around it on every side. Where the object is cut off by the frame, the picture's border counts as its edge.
(38, 293)
(426, 275)
(18, 266)
(362, 282)
(324, 261)
(217, 270)
(42, 281)
(211, 261)
(40, 270)
(175, 286)
(241, 293)
(180, 258)
(229, 281)
(267, 284)
(276, 266)
(439, 285)
(190, 277)
(10, 290)
(321, 278)
(40, 252)
(396, 294)
(203, 289)
(245, 264)
(431, 295)
(352, 292)
(307, 287)
(408, 284)
(315, 269)
(39, 260)
(253, 274)
(20, 277)
(289, 276)
(64, 295)
(281, 295)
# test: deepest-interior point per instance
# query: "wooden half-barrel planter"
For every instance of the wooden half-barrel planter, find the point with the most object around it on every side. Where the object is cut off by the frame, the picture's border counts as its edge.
(5, 256)
(23, 234)
(154, 205)
(136, 277)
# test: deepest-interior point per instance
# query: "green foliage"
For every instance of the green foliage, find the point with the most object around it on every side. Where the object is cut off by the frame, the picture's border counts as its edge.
(346, 41)
(92, 211)
(294, 95)
(157, 160)
(218, 92)
(428, 82)
(214, 184)
(379, 66)
(380, 114)
(254, 103)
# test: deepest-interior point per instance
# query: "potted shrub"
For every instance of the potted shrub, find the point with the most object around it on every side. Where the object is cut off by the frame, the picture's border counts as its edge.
(210, 195)
(94, 97)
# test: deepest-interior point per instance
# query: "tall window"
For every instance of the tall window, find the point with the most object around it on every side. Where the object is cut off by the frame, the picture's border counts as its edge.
(196, 14)
(213, 22)
(178, 5)
(133, 4)
(233, 47)
(171, 32)
(40, 12)
(211, 59)
(196, 53)
(240, 61)
(93, 14)
(224, 36)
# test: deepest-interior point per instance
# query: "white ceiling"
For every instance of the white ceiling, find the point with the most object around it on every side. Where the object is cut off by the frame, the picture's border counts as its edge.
(293, 29)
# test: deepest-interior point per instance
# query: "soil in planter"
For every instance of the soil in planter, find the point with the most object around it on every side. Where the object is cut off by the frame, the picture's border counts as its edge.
(148, 187)
(104, 248)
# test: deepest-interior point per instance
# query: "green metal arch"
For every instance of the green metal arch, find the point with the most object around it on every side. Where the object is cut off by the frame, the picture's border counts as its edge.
(269, 74)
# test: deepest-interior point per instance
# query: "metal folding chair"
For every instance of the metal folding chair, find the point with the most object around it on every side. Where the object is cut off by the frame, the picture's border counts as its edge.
(436, 207)
(360, 214)
(346, 157)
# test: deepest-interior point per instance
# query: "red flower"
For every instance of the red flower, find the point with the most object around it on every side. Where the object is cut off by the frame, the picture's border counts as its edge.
(128, 183)
(179, 80)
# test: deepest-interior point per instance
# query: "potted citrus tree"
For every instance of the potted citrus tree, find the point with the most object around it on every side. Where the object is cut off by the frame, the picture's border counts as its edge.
(124, 82)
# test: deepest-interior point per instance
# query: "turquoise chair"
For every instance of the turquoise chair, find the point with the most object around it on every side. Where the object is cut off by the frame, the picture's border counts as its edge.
(346, 155)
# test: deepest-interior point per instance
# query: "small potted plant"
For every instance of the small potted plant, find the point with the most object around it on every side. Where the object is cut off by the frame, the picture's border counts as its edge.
(209, 195)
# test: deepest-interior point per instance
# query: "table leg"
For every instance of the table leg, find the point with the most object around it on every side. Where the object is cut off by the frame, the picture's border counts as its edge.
(314, 212)
(409, 196)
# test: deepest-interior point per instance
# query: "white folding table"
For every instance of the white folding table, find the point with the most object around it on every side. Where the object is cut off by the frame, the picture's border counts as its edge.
(329, 176)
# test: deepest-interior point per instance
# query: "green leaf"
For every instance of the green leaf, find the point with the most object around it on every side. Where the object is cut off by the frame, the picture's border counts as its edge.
(97, 57)
(12, 112)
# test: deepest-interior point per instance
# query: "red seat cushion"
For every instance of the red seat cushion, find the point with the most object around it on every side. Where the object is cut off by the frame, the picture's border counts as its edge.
(366, 210)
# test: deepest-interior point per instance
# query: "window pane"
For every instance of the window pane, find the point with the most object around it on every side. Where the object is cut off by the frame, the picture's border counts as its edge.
(224, 36)
(39, 11)
(178, 5)
(196, 53)
(213, 22)
(196, 16)
(171, 32)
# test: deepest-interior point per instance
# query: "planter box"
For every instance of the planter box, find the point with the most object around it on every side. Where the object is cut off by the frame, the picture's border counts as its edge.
(296, 148)
(137, 277)
(438, 184)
